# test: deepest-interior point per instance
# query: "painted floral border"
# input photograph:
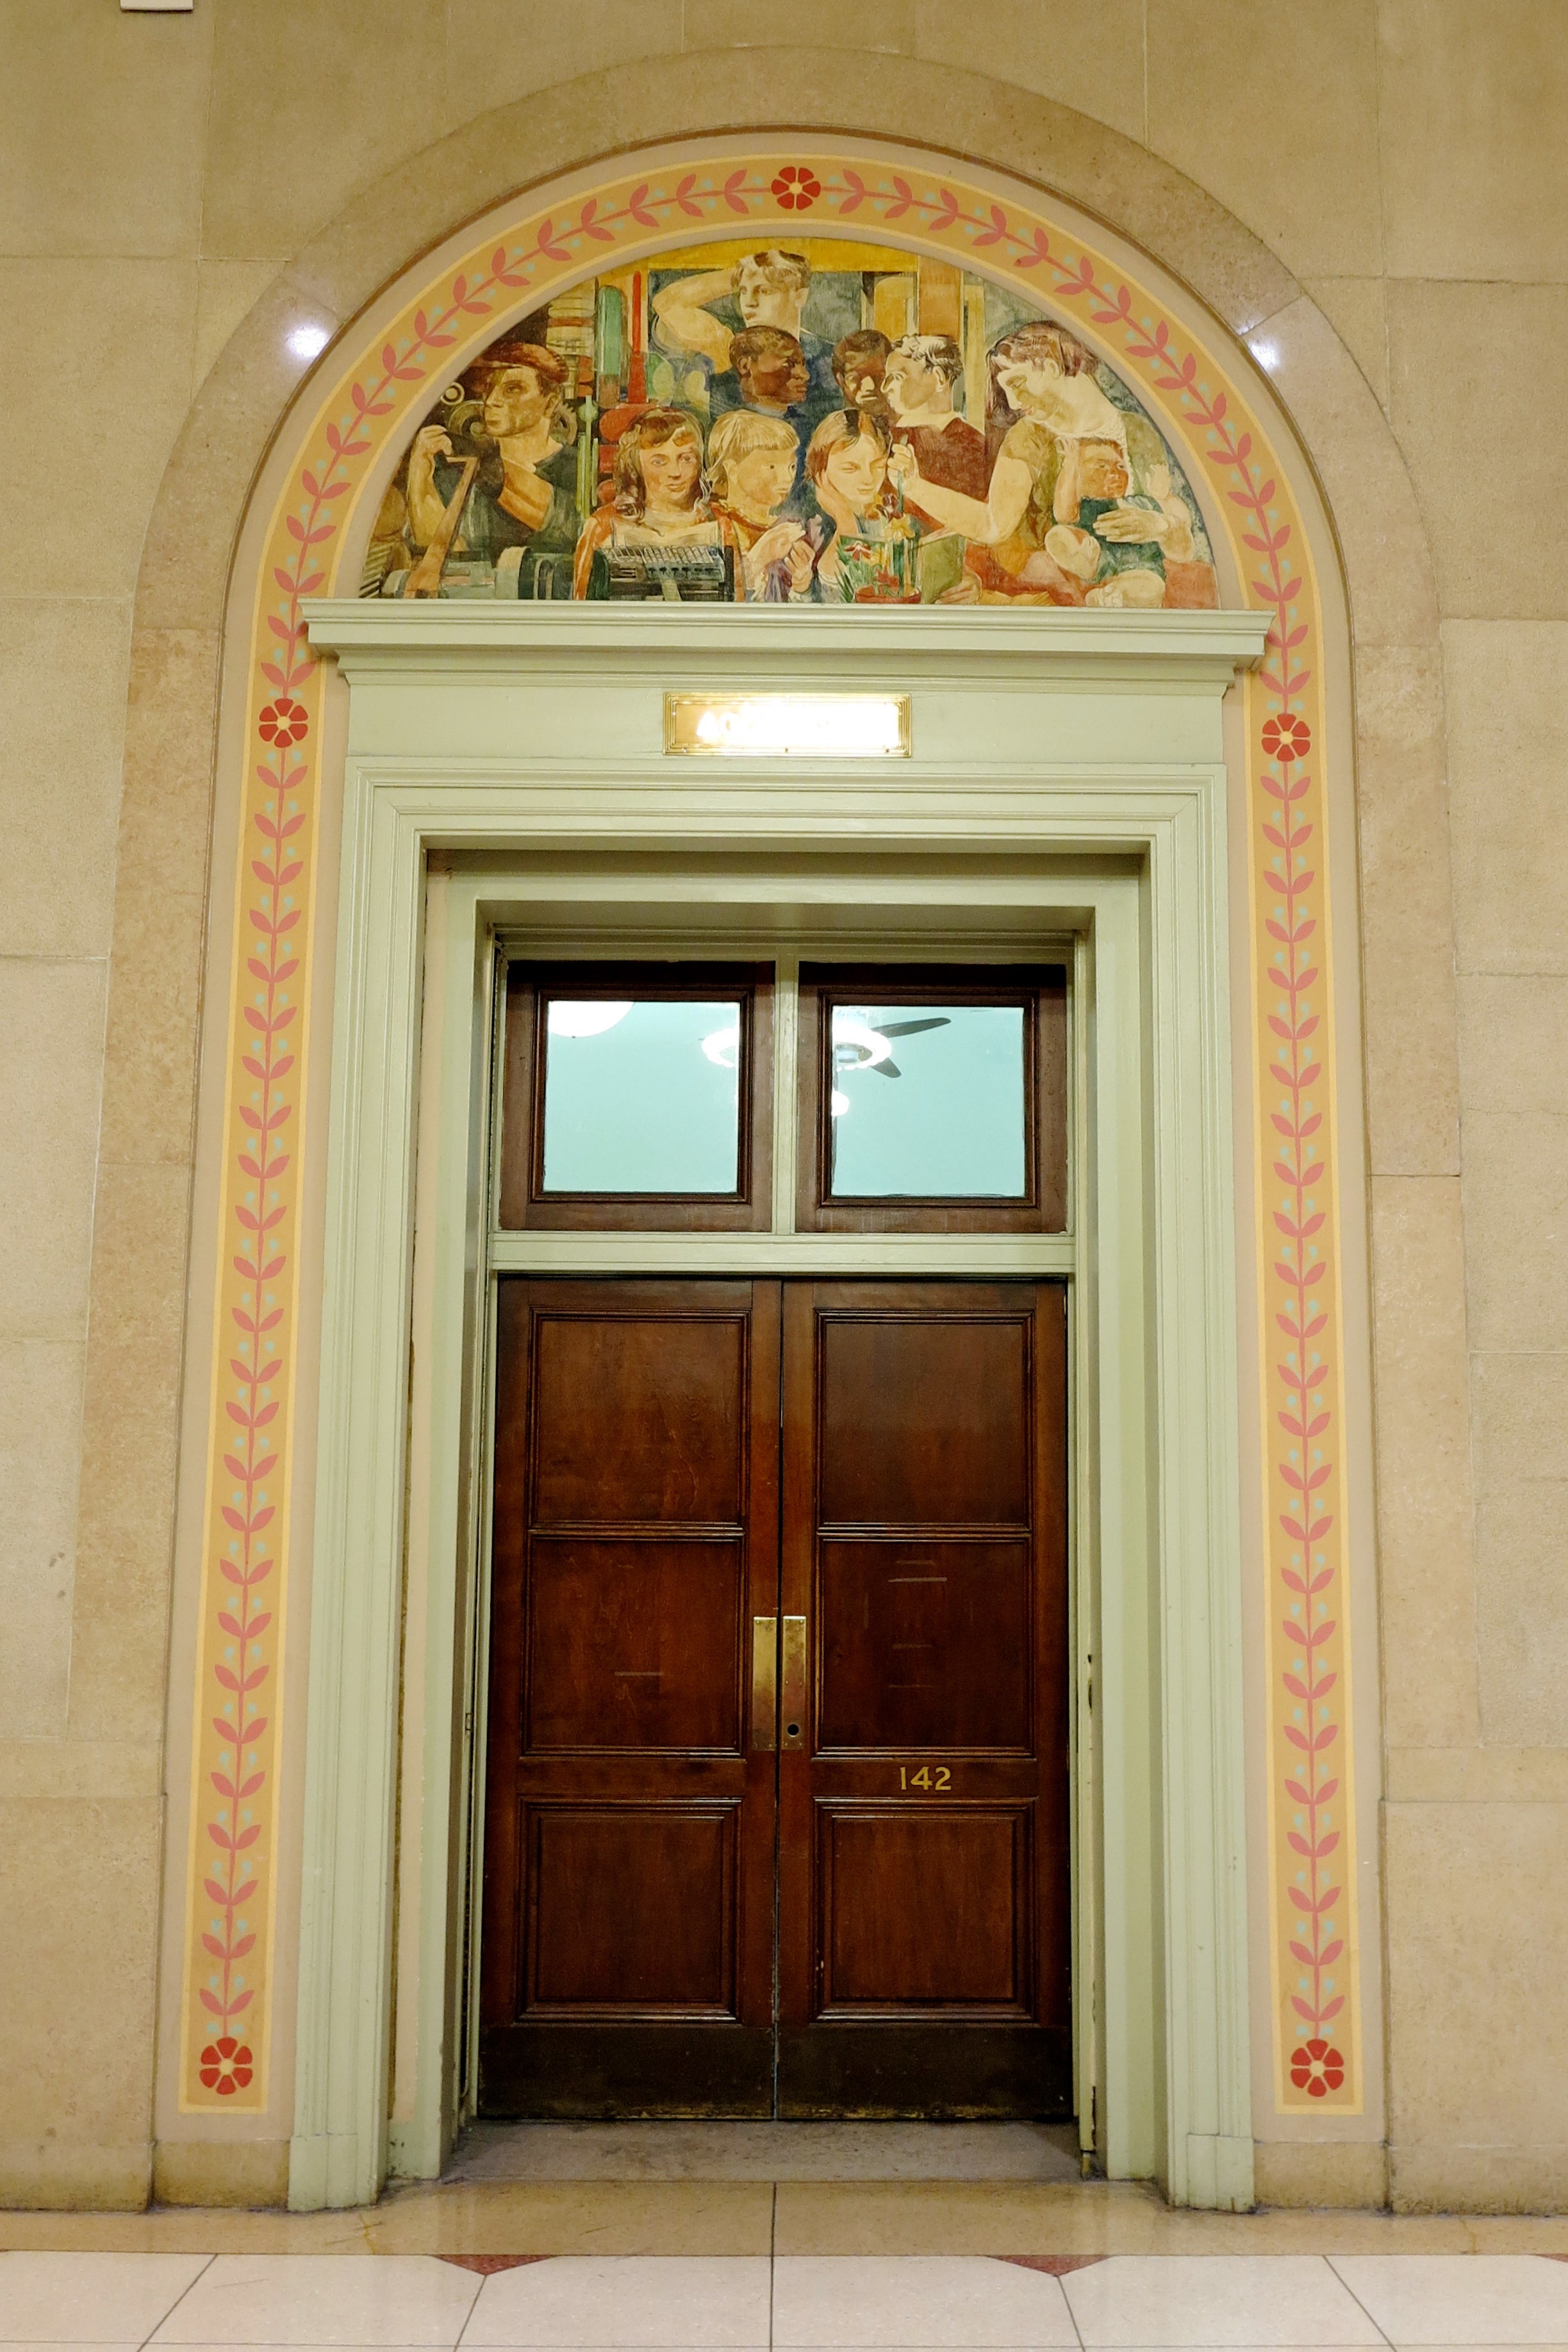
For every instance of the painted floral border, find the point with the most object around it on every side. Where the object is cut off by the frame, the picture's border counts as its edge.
(377, 394)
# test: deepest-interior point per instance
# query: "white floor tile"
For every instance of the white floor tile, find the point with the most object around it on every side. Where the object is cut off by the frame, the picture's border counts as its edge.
(904, 2301)
(314, 2299)
(630, 2301)
(1461, 2298)
(90, 2298)
(1213, 2301)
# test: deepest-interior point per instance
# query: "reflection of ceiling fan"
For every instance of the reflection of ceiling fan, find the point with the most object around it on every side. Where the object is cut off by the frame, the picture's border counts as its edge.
(862, 1044)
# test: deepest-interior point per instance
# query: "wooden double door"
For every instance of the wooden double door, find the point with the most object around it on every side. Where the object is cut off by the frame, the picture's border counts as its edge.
(778, 1751)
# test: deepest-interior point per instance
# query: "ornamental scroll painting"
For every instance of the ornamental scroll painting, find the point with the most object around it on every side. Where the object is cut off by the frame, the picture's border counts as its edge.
(817, 423)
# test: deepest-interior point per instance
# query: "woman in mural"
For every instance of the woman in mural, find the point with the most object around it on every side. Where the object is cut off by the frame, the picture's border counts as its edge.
(1047, 405)
(752, 463)
(658, 503)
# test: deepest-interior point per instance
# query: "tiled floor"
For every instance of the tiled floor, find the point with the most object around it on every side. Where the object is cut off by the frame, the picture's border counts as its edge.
(798, 2303)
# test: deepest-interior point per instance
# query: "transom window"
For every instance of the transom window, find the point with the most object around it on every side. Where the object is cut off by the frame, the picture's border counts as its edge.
(642, 1096)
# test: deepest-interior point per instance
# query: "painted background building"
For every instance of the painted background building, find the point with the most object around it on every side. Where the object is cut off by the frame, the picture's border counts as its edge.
(1356, 199)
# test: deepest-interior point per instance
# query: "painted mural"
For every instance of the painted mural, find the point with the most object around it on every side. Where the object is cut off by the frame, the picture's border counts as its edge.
(811, 423)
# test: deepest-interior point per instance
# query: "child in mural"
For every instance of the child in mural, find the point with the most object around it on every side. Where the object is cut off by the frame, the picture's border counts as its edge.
(658, 527)
(501, 450)
(869, 559)
(766, 289)
(752, 463)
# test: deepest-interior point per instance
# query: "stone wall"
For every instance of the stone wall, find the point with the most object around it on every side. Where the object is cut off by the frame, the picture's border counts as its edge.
(1371, 187)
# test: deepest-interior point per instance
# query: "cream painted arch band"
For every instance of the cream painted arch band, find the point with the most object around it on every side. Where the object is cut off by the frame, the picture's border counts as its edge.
(1274, 737)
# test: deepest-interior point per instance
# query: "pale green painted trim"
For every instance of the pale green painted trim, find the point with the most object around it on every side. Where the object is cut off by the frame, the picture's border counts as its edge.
(1157, 1448)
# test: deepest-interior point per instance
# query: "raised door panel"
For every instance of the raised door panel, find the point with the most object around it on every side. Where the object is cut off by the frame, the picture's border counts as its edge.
(632, 1909)
(923, 1908)
(924, 1644)
(923, 1419)
(638, 1417)
(635, 1644)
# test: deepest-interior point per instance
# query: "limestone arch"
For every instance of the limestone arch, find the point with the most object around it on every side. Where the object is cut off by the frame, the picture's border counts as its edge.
(184, 605)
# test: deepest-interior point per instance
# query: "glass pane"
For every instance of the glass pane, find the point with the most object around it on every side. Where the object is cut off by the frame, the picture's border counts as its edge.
(642, 1096)
(928, 1100)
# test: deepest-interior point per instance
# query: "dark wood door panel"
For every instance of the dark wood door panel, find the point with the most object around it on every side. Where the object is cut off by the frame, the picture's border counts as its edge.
(923, 1908)
(632, 1909)
(923, 1418)
(640, 1416)
(635, 1644)
(924, 1644)
(628, 1928)
(924, 1883)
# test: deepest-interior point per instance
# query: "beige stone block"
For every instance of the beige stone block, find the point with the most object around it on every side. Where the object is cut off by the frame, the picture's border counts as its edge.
(1513, 1028)
(79, 1899)
(166, 798)
(287, 144)
(1388, 572)
(154, 1010)
(1470, 133)
(1516, 1230)
(51, 1018)
(496, 52)
(226, 292)
(1427, 1576)
(1504, 683)
(1477, 1911)
(79, 2176)
(1406, 913)
(1519, 1407)
(1321, 2175)
(77, 1769)
(1522, 1613)
(126, 326)
(251, 2173)
(40, 1432)
(102, 124)
(62, 686)
(1451, 2178)
(1275, 111)
(129, 1424)
(1356, 308)
(1451, 349)
(817, 24)
(1087, 53)
(1477, 1776)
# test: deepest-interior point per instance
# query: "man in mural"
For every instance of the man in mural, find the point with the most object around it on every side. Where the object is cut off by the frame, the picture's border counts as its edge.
(752, 463)
(703, 314)
(858, 360)
(918, 380)
(513, 419)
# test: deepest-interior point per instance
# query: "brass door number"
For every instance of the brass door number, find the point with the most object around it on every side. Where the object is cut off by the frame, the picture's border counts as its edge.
(928, 1778)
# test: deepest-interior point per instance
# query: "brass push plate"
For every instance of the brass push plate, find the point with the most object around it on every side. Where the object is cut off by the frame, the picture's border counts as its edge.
(792, 1725)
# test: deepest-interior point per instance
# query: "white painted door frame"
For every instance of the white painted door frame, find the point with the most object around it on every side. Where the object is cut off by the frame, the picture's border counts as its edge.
(1068, 770)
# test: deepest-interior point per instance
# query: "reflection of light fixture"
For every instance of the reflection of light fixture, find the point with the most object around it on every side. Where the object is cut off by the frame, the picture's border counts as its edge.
(838, 1102)
(723, 1047)
(579, 1017)
(857, 1041)
(307, 341)
(789, 726)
